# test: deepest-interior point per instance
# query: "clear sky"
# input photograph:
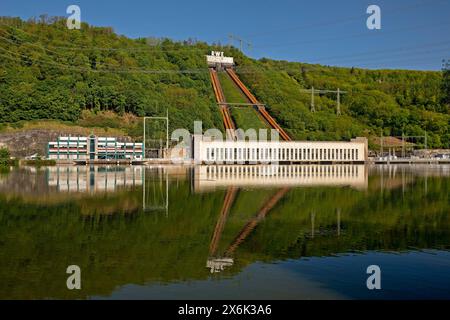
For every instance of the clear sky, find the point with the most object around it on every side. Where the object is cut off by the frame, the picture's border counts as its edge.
(415, 34)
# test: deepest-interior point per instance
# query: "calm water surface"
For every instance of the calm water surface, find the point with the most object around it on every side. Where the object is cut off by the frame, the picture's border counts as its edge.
(225, 232)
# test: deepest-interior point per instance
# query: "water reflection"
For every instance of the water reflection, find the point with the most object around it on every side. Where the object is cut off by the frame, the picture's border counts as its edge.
(267, 176)
(162, 225)
(93, 178)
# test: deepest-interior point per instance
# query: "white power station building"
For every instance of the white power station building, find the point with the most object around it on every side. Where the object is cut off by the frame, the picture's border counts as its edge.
(242, 152)
(217, 59)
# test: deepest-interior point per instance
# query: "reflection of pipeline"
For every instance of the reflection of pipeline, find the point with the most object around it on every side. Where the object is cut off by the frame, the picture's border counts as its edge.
(262, 110)
(227, 203)
(217, 264)
(220, 97)
(248, 228)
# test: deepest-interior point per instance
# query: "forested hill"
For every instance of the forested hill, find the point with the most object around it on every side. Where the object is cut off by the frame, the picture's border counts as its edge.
(50, 72)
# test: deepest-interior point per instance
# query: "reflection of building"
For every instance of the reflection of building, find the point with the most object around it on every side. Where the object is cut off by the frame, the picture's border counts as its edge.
(219, 264)
(93, 148)
(94, 179)
(210, 177)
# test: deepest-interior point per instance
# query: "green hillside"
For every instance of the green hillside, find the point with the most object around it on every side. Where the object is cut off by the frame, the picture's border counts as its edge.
(245, 117)
(50, 72)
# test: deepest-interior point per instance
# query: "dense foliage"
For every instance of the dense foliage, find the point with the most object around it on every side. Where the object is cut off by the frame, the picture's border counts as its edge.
(50, 72)
(446, 84)
(4, 159)
(389, 102)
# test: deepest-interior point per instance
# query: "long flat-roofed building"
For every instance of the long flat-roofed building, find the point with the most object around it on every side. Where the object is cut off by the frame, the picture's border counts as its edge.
(242, 152)
(93, 148)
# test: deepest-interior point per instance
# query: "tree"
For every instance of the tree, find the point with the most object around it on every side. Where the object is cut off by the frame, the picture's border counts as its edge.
(446, 83)
(4, 153)
(4, 157)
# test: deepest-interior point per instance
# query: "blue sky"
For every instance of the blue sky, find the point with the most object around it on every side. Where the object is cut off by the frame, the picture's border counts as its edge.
(415, 34)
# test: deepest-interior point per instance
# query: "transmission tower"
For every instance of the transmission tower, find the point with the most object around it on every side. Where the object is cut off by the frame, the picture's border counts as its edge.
(240, 40)
(318, 91)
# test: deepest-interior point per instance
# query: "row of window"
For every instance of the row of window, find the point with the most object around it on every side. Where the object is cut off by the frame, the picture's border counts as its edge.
(101, 155)
(284, 154)
(282, 171)
(52, 145)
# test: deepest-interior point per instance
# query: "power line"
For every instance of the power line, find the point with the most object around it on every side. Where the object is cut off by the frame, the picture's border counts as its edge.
(318, 91)
(119, 71)
(357, 35)
(392, 57)
(384, 51)
(107, 65)
(149, 48)
(139, 70)
(339, 21)
(437, 63)
(240, 40)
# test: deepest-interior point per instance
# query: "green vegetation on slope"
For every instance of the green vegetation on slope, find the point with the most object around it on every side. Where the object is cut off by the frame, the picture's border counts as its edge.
(230, 90)
(247, 118)
(50, 72)
(391, 102)
(244, 117)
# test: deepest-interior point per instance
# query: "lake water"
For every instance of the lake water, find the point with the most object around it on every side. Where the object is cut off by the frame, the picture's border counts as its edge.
(225, 232)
